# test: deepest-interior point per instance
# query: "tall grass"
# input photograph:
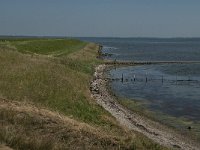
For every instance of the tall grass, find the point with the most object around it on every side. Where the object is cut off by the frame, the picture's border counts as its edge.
(60, 86)
(59, 83)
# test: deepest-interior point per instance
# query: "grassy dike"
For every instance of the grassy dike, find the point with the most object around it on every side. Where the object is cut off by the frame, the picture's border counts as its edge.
(43, 79)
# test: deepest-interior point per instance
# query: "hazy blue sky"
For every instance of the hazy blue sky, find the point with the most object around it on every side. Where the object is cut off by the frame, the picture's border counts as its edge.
(122, 18)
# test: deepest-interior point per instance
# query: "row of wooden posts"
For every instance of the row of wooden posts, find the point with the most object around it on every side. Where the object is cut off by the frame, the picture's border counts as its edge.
(134, 78)
(115, 62)
(146, 79)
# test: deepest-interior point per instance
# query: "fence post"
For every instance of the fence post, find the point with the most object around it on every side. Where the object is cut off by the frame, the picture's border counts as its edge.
(146, 78)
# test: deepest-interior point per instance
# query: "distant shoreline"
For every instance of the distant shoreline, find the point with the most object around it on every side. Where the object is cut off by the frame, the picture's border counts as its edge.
(111, 37)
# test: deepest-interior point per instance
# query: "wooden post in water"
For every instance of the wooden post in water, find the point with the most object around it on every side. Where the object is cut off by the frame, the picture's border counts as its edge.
(115, 62)
(146, 78)
(189, 79)
(134, 77)
(122, 77)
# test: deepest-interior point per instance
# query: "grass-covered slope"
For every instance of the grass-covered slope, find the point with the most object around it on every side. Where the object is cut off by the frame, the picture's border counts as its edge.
(55, 74)
(54, 47)
(58, 83)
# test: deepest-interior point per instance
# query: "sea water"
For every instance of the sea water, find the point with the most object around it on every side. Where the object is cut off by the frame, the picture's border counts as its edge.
(171, 90)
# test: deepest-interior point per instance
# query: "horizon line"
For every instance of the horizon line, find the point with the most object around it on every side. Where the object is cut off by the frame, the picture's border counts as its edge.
(62, 36)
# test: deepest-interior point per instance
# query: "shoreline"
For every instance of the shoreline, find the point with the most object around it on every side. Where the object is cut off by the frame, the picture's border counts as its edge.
(154, 130)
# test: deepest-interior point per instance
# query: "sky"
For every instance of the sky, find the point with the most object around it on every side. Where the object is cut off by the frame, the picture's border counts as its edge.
(100, 18)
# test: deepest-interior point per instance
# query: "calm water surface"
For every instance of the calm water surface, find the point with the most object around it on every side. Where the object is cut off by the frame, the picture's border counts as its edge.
(172, 89)
(147, 49)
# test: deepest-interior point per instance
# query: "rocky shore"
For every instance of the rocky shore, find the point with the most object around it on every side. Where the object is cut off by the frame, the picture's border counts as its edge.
(133, 121)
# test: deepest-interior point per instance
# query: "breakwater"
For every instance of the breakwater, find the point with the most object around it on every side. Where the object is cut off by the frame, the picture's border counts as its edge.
(130, 63)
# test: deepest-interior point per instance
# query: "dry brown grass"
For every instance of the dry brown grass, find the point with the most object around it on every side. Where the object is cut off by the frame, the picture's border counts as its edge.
(4, 147)
(39, 128)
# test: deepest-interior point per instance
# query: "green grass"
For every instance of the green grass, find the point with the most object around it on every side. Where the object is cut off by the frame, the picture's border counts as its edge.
(60, 82)
(46, 46)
